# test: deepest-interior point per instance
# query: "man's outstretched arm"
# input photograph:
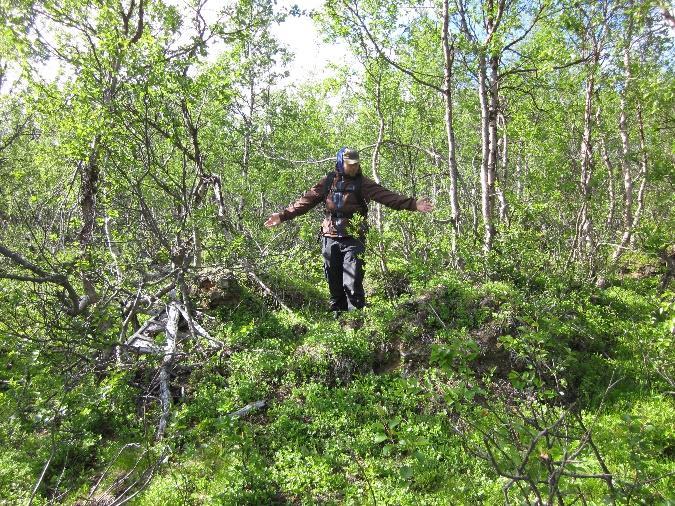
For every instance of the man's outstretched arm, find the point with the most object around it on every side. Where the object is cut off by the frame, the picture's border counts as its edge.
(310, 199)
(378, 193)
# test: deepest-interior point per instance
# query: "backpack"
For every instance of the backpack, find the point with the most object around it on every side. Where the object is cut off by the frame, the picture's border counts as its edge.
(328, 189)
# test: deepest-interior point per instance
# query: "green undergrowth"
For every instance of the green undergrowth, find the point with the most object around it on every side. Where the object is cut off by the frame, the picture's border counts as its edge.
(394, 405)
(437, 395)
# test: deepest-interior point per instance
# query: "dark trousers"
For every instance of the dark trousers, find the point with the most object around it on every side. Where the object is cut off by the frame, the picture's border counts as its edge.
(343, 267)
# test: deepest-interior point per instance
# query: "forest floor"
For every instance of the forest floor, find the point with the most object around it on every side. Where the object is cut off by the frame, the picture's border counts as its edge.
(449, 391)
(533, 389)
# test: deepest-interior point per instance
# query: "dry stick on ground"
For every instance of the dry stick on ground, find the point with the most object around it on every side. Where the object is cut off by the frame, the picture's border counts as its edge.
(185, 309)
(251, 406)
(98, 482)
(42, 474)
(268, 291)
(197, 328)
(437, 315)
(56, 497)
(150, 472)
(120, 481)
(164, 371)
(143, 343)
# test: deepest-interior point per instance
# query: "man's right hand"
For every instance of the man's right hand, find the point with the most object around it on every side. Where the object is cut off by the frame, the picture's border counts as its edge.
(424, 206)
(273, 220)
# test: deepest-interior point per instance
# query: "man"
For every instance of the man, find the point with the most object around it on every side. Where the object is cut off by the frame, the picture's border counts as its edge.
(346, 194)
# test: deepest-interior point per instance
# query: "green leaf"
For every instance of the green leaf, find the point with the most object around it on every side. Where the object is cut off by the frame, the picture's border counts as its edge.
(378, 438)
(407, 472)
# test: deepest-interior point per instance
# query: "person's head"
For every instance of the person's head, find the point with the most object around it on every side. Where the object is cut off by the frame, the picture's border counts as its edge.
(352, 165)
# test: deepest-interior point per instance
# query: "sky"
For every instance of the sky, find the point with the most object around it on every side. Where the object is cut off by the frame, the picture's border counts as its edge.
(298, 33)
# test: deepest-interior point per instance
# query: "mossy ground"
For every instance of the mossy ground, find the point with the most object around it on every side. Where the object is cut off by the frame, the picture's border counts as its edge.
(357, 414)
(391, 405)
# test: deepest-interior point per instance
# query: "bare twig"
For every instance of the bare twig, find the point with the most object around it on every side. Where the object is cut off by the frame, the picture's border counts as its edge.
(42, 475)
(268, 291)
(252, 406)
(98, 482)
(167, 362)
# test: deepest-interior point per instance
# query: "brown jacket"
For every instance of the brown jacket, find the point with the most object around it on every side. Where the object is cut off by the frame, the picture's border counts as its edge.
(333, 226)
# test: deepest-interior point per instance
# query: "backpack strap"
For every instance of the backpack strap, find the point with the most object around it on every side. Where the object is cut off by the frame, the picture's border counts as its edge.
(330, 177)
(358, 181)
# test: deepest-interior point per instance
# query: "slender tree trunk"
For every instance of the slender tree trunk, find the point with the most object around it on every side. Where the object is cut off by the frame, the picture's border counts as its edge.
(485, 179)
(611, 191)
(112, 249)
(448, 55)
(474, 214)
(219, 198)
(499, 189)
(246, 158)
(493, 110)
(586, 241)
(376, 176)
(488, 95)
(89, 179)
(625, 152)
(504, 150)
(643, 170)
(197, 245)
(244, 175)
(164, 376)
(518, 175)
(90, 173)
(473, 199)
(375, 161)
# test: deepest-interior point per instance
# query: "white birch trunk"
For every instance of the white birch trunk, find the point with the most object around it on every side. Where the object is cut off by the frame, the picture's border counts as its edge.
(486, 201)
(499, 189)
(625, 153)
(586, 240)
(643, 171)
(165, 368)
(448, 56)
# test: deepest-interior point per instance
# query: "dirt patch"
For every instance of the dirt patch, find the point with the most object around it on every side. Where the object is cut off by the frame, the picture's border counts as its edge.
(215, 287)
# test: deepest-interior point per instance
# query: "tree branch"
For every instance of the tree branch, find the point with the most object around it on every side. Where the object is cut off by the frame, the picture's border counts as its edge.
(391, 62)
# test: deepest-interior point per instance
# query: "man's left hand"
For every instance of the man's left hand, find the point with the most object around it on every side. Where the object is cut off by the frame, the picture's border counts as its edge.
(273, 220)
(424, 206)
